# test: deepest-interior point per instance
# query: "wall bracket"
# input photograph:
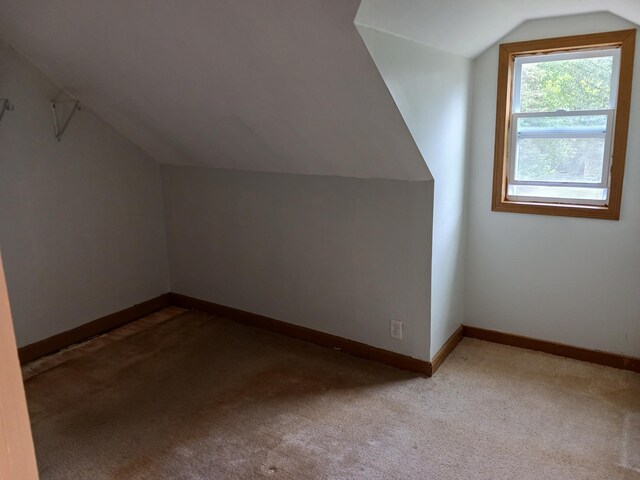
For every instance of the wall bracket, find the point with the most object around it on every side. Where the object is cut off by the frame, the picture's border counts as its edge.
(5, 106)
(68, 107)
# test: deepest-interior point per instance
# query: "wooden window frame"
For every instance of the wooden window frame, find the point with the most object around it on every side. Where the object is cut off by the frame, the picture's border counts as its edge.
(625, 40)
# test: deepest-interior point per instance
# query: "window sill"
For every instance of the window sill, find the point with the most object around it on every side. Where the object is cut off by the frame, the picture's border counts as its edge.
(605, 212)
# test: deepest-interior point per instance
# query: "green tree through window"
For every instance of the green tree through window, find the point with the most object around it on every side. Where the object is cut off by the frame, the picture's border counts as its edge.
(578, 84)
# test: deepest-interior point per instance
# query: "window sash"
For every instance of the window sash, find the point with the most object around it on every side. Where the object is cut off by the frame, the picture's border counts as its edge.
(577, 132)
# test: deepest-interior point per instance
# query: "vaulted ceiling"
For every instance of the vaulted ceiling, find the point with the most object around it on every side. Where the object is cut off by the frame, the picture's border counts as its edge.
(469, 27)
(280, 85)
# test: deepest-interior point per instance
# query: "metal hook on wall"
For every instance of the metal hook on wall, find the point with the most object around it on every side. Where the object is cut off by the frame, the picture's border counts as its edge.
(5, 106)
(57, 104)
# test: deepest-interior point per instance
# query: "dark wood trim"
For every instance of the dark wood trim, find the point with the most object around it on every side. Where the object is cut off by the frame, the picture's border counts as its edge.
(446, 349)
(358, 349)
(625, 40)
(91, 329)
(594, 356)
(302, 333)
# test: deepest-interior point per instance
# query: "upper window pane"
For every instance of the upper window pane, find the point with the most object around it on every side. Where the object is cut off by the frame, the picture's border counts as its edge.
(566, 84)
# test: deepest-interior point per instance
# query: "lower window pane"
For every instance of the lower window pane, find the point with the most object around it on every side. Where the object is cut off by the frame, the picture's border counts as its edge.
(576, 160)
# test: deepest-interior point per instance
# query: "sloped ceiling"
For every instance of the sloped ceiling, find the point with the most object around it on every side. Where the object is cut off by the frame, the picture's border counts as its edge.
(469, 27)
(280, 85)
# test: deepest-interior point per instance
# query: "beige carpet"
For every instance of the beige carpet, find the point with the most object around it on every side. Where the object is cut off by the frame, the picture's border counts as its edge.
(198, 397)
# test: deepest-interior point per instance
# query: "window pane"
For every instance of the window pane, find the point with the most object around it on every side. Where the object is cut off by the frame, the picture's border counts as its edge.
(563, 122)
(577, 160)
(578, 84)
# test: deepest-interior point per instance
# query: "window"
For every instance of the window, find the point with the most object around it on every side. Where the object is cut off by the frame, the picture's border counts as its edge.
(561, 127)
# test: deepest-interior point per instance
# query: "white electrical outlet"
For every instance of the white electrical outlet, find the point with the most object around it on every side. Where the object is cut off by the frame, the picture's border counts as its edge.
(396, 329)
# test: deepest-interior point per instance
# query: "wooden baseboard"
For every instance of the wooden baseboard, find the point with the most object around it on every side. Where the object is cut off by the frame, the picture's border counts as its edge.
(594, 356)
(302, 333)
(91, 329)
(358, 349)
(446, 349)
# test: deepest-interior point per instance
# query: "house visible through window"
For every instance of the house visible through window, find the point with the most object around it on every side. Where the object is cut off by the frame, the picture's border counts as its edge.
(562, 139)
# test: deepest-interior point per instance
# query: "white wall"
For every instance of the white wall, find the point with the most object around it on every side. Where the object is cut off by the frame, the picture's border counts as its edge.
(431, 89)
(81, 225)
(339, 255)
(569, 280)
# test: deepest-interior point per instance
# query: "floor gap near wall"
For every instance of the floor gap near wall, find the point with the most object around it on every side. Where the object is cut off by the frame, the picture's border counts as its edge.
(90, 345)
